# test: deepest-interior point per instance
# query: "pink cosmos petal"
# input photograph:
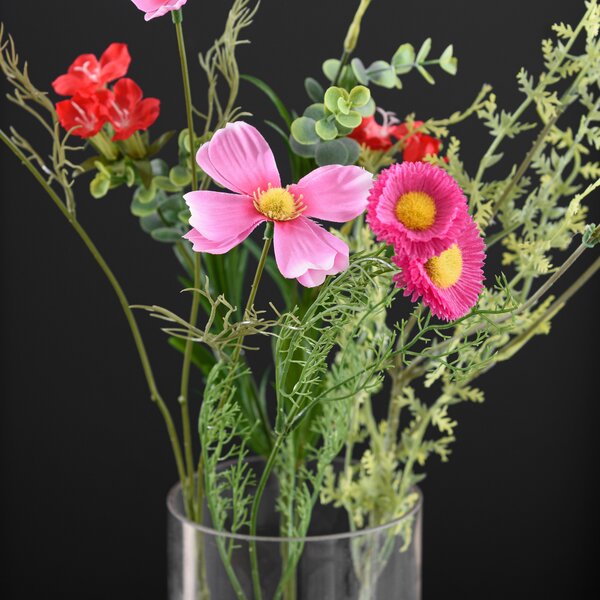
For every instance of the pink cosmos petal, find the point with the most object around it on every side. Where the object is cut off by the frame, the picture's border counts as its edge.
(455, 301)
(334, 193)
(220, 216)
(158, 8)
(306, 251)
(450, 202)
(202, 244)
(239, 158)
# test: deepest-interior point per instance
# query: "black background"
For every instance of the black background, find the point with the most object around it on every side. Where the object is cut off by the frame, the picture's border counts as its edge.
(85, 462)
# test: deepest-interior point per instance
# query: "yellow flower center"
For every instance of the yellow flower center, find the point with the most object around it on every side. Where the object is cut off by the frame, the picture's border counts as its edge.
(416, 210)
(278, 204)
(445, 270)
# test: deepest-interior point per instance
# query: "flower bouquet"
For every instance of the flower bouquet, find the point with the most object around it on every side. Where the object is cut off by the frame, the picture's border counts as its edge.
(289, 485)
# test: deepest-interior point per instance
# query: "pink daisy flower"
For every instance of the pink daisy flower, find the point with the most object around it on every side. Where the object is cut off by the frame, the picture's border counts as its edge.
(158, 8)
(418, 208)
(449, 282)
(239, 159)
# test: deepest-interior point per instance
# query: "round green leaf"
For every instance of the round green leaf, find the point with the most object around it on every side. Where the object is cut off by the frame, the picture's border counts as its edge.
(144, 194)
(142, 209)
(150, 222)
(99, 186)
(343, 106)
(368, 109)
(303, 130)
(359, 96)
(383, 74)
(129, 176)
(330, 68)
(314, 89)
(351, 120)
(404, 59)
(159, 167)
(326, 129)
(180, 176)
(165, 183)
(304, 150)
(332, 95)
(359, 70)
(331, 153)
(315, 111)
(352, 148)
(168, 235)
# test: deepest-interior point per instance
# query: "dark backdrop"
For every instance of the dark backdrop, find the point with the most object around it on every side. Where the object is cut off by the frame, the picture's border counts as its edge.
(85, 463)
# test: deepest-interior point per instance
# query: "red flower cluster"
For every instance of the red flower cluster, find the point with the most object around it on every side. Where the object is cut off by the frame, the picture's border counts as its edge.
(93, 104)
(382, 137)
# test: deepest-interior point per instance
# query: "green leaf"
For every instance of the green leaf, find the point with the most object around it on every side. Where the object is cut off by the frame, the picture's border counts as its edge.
(314, 89)
(344, 106)
(352, 148)
(331, 153)
(145, 195)
(404, 59)
(382, 73)
(303, 130)
(165, 183)
(332, 95)
(368, 109)
(180, 176)
(448, 62)
(426, 74)
(304, 150)
(99, 186)
(159, 143)
(359, 70)
(326, 129)
(268, 91)
(129, 176)
(424, 51)
(315, 111)
(330, 68)
(142, 209)
(351, 120)
(159, 167)
(150, 222)
(168, 235)
(359, 96)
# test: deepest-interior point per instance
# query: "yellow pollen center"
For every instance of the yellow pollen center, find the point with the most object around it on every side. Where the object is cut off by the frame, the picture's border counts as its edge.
(278, 204)
(445, 270)
(416, 210)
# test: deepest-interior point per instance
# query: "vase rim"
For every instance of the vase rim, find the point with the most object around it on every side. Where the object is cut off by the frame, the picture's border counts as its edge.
(176, 512)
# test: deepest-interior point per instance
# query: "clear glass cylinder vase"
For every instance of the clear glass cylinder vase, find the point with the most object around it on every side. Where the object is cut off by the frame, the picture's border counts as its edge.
(330, 563)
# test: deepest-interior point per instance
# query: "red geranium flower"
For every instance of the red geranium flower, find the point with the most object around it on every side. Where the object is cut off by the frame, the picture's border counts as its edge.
(127, 111)
(85, 115)
(418, 145)
(373, 135)
(88, 74)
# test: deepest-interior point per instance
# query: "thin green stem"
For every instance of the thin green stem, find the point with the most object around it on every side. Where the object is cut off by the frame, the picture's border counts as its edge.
(137, 337)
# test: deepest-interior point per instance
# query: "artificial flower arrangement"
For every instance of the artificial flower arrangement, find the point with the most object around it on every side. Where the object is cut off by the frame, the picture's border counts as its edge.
(380, 217)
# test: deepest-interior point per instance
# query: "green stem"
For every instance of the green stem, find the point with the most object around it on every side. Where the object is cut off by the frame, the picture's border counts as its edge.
(189, 345)
(139, 343)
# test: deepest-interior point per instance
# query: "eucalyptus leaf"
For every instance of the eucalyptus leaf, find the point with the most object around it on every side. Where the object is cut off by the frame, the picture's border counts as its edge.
(352, 148)
(145, 195)
(180, 176)
(165, 183)
(360, 96)
(326, 129)
(424, 51)
(344, 106)
(314, 89)
(360, 71)
(448, 62)
(330, 68)
(99, 186)
(382, 73)
(142, 209)
(368, 109)
(150, 222)
(303, 130)
(303, 150)
(332, 95)
(331, 153)
(426, 74)
(168, 235)
(351, 120)
(315, 111)
(404, 59)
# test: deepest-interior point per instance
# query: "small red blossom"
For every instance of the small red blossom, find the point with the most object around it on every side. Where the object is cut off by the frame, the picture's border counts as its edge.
(84, 116)
(128, 111)
(418, 145)
(88, 74)
(373, 135)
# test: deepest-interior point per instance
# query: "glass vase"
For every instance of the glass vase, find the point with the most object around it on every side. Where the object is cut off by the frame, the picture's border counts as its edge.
(331, 563)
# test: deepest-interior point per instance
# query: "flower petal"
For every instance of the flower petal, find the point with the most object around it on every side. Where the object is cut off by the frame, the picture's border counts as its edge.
(306, 251)
(114, 62)
(239, 158)
(335, 192)
(220, 216)
(202, 244)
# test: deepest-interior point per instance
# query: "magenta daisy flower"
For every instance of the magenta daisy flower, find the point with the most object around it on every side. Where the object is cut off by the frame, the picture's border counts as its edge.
(449, 282)
(418, 208)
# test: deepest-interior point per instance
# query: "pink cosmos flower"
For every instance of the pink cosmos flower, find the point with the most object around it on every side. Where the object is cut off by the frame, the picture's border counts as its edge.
(239, 159)
(87, 74)
(158, 8)
(418, 208)
(449, 282)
